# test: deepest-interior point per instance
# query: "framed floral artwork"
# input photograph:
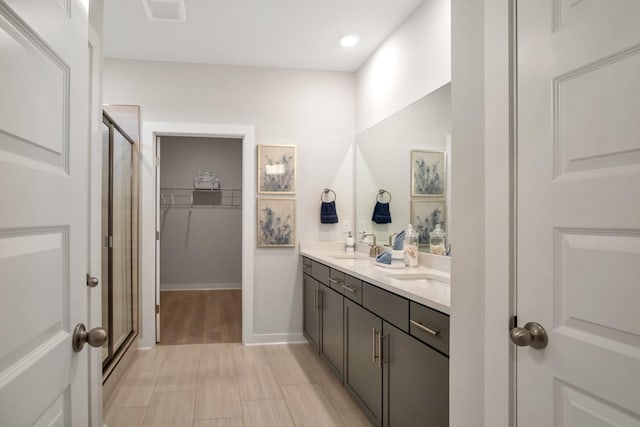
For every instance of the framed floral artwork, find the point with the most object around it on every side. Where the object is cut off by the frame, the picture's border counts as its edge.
(276, 223)
(276, 169)
(425, 214)
(428, 173)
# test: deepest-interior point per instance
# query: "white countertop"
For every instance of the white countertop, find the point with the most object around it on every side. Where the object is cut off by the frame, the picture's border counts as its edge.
(421, 284)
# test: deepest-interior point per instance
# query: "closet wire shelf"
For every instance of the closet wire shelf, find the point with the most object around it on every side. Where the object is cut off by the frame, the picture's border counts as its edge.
(189, 198)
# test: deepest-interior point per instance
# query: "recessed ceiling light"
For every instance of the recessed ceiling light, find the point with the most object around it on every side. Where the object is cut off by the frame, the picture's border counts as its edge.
(350, 40)
(165, 10)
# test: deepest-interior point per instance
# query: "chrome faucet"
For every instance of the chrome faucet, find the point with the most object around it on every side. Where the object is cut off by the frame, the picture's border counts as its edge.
(374, 250)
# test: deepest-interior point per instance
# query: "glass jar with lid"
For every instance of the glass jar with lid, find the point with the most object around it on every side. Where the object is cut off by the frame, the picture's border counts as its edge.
(438, 241)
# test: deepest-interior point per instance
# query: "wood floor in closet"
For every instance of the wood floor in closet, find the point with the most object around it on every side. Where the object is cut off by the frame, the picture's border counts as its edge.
(200, 317)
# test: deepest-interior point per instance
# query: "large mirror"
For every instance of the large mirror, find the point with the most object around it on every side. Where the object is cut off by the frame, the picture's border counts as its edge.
(405, 160)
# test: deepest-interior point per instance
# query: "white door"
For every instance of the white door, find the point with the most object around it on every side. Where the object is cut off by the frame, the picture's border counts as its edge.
(578, 232)
(43, 211)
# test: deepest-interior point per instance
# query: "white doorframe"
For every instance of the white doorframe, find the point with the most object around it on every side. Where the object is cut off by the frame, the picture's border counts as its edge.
(148, 216)
(499, 174)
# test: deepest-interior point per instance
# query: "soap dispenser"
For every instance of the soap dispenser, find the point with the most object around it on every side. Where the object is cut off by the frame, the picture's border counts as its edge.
(438, 241)
(350, 245)
(410, 247)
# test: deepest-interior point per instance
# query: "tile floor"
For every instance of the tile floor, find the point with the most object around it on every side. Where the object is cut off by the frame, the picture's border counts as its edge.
(217, 385)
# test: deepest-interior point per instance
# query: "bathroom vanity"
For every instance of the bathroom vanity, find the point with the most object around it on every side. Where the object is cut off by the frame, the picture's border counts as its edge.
(383, 332)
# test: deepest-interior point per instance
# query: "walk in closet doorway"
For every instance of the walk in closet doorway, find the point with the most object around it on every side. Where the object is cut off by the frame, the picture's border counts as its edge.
(199, 240)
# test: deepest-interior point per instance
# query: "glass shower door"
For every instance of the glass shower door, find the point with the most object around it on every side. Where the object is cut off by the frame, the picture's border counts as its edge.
(117, 226)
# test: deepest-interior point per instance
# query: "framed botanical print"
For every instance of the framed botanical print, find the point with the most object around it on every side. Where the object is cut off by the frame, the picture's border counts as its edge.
(428, 173)
(276, 169)
(276, 223)
(425, 214)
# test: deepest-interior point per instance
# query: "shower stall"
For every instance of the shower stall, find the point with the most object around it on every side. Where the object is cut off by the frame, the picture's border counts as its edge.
(119, 245)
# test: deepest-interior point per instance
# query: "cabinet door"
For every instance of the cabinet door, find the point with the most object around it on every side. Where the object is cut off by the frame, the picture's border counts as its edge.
(331, 344)
(311, 325)
(362, 374)
(416, 382)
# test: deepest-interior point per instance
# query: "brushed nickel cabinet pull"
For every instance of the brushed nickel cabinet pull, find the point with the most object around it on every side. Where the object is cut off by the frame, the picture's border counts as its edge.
(374, 357)
(349, 289)
(334, 281)
(424, 328)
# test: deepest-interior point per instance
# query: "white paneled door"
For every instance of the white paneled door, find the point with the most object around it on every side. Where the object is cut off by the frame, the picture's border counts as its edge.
(578, 186)
(43, 211)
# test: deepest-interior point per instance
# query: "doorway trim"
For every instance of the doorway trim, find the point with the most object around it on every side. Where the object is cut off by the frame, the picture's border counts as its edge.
(150, 205)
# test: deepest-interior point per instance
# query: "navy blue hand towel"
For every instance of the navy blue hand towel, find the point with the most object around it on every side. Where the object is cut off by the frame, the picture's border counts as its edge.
(328, 213)
(381, 214)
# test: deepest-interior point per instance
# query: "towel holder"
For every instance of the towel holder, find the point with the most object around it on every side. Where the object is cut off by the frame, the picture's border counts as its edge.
(326, 193)
(380, 196)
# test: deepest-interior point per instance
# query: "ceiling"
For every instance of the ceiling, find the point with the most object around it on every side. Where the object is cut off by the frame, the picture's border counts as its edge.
(300, 34)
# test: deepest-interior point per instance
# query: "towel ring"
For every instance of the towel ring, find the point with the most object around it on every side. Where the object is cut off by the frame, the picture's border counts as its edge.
(325, 193)
(380, 196)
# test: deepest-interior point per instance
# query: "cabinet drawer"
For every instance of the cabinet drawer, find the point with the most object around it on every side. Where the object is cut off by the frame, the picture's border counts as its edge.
(306, 265)
(430, 326)
(336, 280)
(390, 307)
(352, 288)
(320, 272)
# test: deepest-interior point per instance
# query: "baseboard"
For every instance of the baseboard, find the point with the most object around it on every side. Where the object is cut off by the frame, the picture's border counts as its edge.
(291, 338)
(220, 286)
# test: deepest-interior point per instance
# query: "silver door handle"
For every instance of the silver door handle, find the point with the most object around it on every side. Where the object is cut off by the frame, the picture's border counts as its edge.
(92, 282)
(95, 337)
(533, 335)
(424, 328)
(347, 288)
(315, 299)
(334, 281)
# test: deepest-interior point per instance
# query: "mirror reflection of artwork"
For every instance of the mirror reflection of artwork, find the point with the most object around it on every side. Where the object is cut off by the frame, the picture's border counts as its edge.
(276, 223)
(425, 214)
(276, 169)
(428, 173)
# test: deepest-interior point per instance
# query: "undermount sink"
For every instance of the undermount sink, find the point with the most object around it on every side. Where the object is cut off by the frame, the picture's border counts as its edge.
(416, 277)
(354, 257)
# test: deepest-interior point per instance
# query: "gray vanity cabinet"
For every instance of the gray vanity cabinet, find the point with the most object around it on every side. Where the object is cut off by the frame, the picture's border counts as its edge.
(323, 312)
(390, 353)
(331, 342)
(415, 382)
(311, 322)
(362, 373)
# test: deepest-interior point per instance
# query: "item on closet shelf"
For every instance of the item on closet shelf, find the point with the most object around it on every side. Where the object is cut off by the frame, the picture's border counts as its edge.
(438, 241)
(328, 214)
(350, 245)
(410, 247)
(381, 212)
(206, 180)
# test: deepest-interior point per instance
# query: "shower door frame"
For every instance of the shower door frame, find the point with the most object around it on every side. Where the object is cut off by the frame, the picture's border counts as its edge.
(114, 354)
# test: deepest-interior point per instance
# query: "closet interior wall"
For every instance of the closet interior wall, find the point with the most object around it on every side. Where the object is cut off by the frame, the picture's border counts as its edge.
(200, 245)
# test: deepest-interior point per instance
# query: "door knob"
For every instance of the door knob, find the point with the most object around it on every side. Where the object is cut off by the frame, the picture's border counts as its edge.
(92, 282)
(95, 337)
(533, 334)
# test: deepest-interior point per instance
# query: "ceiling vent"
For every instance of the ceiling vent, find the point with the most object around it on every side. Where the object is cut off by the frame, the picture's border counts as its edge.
(165, 10)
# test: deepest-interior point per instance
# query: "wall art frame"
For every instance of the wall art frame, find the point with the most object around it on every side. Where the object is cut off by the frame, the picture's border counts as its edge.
(428, 173)
(277, 169)
(276, 223)
(425, 214)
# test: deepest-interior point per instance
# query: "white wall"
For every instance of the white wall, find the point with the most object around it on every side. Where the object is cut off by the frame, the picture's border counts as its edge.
(413, 61)
(200, 248)
(313, 110)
